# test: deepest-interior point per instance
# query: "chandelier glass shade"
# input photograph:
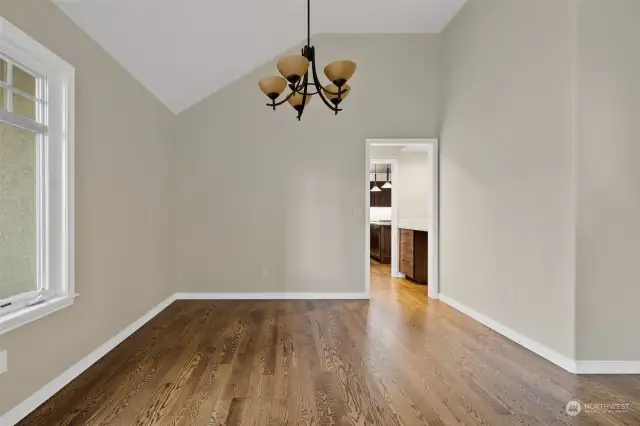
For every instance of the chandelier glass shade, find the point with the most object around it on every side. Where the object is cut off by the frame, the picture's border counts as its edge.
(300, 75)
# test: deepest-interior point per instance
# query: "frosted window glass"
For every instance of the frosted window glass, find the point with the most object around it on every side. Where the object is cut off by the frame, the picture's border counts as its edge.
(17, 211)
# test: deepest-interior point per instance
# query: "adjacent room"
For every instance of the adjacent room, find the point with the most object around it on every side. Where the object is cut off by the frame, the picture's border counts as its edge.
(304, 212)
(403, 216)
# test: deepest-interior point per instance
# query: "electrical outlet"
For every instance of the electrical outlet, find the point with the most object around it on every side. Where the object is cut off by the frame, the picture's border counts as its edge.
(3, 362)
(512, 297)
(264, 272)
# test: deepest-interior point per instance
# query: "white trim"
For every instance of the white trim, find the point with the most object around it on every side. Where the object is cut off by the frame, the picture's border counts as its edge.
(21, 121)
(28, 52)
(405, 141)
(272, 296)
(395, 170)
(20, 411)
(29, 314)
(433, 214)
(367, 218)
(69, 184)
(571, 365)
(536, 347)
(434, 222)
(14, 89)
(607, 367)
(55, 176)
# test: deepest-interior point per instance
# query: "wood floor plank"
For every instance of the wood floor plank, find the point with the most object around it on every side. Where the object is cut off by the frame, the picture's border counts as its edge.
(400, 359)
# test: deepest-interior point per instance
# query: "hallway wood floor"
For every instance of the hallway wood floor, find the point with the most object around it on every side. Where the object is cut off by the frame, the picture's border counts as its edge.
(396, 360)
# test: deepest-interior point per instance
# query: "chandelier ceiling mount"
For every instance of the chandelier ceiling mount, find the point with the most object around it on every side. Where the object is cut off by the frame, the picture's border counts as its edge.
(295, 74)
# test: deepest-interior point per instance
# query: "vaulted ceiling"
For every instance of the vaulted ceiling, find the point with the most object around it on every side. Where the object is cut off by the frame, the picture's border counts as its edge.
(184, 50)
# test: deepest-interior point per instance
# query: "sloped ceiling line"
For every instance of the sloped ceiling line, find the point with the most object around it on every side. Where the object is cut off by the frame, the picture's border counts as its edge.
(182, 51)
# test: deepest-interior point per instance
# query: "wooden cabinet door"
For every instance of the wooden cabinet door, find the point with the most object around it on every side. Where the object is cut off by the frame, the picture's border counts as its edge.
(383, 198)
(375, 241)
(406, 267)
(387, 192)
(421, 257)
(385, 244)
(406, 252)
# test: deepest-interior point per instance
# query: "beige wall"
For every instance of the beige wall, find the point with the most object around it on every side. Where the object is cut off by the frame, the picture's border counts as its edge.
(608, 293)
(123, 143)
(270, 204)
(267, 203)
(507, 234)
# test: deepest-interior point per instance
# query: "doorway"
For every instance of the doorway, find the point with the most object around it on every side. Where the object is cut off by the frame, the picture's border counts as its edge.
(383, 214)
(413, 210)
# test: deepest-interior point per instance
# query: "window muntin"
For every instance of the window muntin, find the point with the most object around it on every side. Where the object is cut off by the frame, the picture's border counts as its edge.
(23, 91)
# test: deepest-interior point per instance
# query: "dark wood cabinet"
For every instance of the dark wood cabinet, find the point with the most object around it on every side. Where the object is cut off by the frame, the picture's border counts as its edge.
(384, 197)
(372, 195)
(414, 255)
(406, 252)
(380, 243)
(375, 241)
(380, 198)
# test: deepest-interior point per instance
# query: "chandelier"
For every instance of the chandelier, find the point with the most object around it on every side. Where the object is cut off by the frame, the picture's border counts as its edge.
(295, 71)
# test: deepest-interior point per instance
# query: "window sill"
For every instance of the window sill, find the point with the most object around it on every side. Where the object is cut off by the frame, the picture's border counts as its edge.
(32, 313)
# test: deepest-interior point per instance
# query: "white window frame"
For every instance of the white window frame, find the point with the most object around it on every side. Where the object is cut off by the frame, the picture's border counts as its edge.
(54, 178)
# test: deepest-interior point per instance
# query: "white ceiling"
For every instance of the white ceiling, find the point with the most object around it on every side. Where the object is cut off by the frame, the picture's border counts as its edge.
(184, 50)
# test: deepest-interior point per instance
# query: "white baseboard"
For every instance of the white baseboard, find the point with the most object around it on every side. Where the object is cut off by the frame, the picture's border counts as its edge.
(272, 296)
(20, 411)
(571, 365)
(538, 348)
(608, 367)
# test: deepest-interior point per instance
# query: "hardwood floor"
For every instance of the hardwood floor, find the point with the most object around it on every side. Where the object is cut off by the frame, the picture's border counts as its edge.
(396, 360)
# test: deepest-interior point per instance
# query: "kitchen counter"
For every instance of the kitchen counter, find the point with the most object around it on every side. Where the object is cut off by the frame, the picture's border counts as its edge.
(414, 225)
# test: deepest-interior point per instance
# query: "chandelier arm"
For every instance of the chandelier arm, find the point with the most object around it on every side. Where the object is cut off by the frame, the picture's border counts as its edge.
(298, 87)
(274, 104)
(319, 89)
(304, 95)
(308, 94)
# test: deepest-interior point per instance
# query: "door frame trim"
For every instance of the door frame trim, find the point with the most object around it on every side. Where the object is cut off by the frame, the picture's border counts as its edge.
(432, 213)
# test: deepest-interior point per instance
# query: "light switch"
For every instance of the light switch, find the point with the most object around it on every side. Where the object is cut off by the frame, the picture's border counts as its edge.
(3, 362)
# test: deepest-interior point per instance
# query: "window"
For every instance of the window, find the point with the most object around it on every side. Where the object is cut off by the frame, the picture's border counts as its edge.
(36, 180)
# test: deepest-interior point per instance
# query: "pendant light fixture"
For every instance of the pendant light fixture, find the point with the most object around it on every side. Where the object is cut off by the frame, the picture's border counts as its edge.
(387, 185)
(375, 180)
(295, 71)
